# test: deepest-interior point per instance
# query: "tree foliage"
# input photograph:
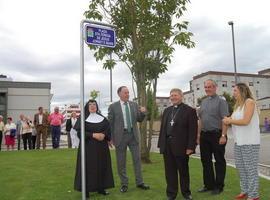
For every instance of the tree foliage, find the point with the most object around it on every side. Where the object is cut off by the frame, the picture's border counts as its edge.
(152, 109)
(230, 100)
(94, 94)
(146, 32)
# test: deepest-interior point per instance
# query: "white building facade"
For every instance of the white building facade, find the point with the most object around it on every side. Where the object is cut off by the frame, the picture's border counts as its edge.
(162, 103)
(189, 98)
(264, 103)
(23, 98)
(258, 83)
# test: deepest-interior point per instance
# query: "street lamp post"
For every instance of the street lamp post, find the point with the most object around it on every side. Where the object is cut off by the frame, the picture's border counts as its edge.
(234, 58)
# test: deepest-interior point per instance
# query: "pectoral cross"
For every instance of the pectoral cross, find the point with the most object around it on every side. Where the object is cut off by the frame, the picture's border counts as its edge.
(172, 122)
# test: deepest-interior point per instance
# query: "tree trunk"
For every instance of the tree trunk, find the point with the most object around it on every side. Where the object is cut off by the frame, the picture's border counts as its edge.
(152, 118)
(141, 88)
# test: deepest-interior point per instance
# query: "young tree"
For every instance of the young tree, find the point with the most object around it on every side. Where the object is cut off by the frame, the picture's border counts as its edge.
(94, 94)
(230, 100)
(147, 31)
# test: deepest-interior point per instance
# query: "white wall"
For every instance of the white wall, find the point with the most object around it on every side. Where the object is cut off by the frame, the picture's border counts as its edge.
(26, 101)
(264, 104)
(260, 88)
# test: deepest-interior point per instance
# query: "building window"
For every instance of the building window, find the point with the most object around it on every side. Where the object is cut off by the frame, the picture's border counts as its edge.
(257, 94)
(198, 86)
(258, 82)
(250, 83)
(224, 83)
(3, 105)
(263, 106)
(2, 98)
(233, 83)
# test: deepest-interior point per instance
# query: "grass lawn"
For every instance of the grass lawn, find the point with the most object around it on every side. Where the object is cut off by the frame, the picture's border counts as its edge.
(49, 175)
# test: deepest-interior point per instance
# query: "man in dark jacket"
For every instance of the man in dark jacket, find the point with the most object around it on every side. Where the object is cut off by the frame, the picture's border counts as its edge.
(69, 125)
(177, 140)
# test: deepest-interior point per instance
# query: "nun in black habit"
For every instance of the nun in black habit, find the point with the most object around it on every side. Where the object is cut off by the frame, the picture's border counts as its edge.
(97, 154)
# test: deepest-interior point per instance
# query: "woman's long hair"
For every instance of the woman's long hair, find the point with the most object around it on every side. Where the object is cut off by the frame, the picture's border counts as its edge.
(245, 94)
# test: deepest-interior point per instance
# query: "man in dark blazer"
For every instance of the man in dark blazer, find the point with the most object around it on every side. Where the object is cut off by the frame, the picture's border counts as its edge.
(123, 116)
(177, 140)
(41, 125)
(70, 123)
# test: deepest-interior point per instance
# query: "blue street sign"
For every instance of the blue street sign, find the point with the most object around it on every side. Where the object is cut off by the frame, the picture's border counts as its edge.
(100, 36)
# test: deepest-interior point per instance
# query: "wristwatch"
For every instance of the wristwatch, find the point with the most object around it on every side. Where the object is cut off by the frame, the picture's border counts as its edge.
(223, 135)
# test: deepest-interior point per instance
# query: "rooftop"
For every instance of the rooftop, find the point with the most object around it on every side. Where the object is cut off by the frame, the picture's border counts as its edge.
(15, 84)
(230, 74)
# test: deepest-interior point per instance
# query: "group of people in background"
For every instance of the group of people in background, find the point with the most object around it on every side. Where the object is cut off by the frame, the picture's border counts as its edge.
(32, 132)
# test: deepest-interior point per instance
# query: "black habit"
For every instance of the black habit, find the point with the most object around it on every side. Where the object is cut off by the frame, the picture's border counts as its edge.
(97, 158)
(178, 133)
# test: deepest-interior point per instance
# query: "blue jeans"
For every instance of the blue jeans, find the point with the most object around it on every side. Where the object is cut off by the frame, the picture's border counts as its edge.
(56, 131)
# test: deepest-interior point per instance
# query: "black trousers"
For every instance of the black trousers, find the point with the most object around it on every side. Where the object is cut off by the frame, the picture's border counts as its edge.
(34, 139)
(209, 145)
(27, 138)
(1, 136)
(19, 141)
(69, 139)
(176, 167)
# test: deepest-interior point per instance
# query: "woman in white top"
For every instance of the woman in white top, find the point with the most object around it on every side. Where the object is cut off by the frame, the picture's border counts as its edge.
(246, 131)
(9, 128)
(26, 130)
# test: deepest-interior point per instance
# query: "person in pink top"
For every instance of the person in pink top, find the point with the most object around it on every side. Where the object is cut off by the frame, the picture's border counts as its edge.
(10, 128)
(56, 119)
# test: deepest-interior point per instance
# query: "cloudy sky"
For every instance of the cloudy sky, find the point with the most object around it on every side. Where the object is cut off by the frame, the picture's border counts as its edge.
(39, 41)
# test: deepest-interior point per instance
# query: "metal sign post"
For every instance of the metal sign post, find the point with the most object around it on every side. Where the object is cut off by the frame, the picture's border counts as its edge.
(94, 33)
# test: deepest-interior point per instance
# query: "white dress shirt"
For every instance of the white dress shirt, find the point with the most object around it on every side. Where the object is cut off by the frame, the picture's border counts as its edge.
(40, 118)
(73, 121)
(124, 113)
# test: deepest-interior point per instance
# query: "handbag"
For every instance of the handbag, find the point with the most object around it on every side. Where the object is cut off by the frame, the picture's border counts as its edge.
(12, 132)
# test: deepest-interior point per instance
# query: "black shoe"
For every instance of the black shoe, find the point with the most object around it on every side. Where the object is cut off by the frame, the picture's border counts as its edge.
(143, 186)
(217, 191)
(124, 188)
(188, 197)
(171, 198)
(204, 189)
(87, 195)
(104, 192)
